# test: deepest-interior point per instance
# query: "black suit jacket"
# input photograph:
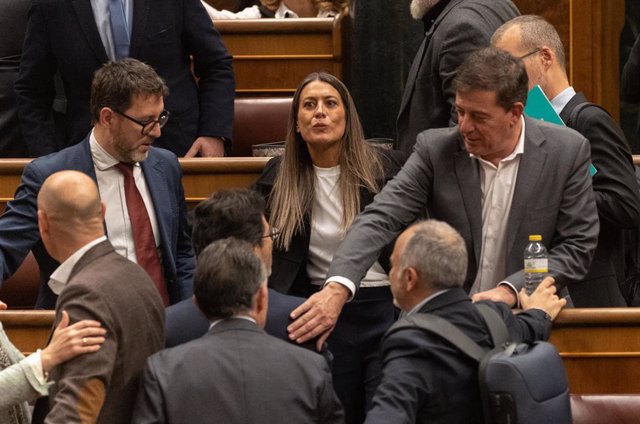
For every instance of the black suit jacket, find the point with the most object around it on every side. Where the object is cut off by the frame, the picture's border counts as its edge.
(289, 269)
(13, 22)
(461, 28)
(237, 374)
(617, 199)
(62, 36)
(427, 380)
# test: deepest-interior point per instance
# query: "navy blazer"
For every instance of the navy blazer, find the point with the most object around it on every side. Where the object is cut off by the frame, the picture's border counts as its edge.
(62, 37)
(19, 224)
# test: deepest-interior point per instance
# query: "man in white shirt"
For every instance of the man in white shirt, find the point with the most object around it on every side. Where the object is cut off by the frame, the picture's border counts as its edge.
(538, 44)
(146, 211)
(96, 283)
(496, 178)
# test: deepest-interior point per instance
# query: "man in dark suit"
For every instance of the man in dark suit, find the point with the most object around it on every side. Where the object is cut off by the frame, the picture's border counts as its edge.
(424, 378)
(236, 373)
(454, 28)
(497, 178)
(75, 38)
(13, 22)
(614, 184)
(128, 111)
(235, 213)
(96, 283)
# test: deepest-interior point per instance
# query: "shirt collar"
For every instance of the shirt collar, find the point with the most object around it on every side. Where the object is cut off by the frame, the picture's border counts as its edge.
(560, 101)
(101, 158)
(60, 276)
(519, 149)
(245, 317)
(428, 299)
(284, 12)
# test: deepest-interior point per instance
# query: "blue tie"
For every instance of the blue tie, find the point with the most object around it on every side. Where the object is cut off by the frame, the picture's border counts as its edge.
(119, 28)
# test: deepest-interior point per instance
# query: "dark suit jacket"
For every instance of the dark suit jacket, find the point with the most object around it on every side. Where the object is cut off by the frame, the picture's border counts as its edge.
(185, 322)
(428, 99)
(617, 198)
(289, 269)
(13, 22)
(108, 288)
(427, 380)
(19, 224)
(62, 36)
(630, 84)
(553, 197)
(237, 374)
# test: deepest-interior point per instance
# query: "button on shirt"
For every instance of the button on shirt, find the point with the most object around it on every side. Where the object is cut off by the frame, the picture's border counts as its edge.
(111, 188)
(497, 185)
(101, 15)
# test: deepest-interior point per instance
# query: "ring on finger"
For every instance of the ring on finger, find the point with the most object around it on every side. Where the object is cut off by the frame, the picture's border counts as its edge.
(84, 341)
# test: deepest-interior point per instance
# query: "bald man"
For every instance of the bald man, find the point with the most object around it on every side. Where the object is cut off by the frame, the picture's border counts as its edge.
(94, 282)
(537, 43)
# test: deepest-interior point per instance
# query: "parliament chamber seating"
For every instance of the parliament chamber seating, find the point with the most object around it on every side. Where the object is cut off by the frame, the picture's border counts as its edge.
(258, 120)
(600, 409)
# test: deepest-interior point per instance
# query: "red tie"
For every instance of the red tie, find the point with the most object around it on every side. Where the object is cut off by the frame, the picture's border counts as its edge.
(145, 244)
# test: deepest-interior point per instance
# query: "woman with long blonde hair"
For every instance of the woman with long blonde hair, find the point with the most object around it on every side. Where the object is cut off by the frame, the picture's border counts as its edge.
(327, 175)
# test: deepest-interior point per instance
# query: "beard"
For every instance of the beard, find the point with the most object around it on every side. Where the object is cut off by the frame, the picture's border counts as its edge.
(419, 8)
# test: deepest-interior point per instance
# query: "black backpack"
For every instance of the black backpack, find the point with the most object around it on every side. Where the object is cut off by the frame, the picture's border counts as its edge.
(520, 383)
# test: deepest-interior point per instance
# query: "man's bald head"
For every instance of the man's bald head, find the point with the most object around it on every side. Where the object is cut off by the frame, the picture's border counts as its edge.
(70, 201)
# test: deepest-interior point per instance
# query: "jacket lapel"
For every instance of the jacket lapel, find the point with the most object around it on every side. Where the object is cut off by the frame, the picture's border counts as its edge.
(153, 176)
(140, 15)
(469, 184)
(529, 170)
(419, 57)
(87, 22)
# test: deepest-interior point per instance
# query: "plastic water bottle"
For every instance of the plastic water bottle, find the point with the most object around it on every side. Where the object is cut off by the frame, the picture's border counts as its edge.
(536, 263)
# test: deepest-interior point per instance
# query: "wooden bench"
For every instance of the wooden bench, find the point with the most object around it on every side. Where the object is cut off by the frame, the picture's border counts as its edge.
(272, 56)
(599, 347)
(201, 176)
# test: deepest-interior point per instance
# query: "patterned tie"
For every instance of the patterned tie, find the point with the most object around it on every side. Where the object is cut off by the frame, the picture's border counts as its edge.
(146, 252)
(119, 28)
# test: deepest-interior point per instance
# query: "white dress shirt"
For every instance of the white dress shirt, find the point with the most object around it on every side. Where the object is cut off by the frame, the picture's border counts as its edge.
(111, 188)
(560, 101)
(60, 277)
(498, 185)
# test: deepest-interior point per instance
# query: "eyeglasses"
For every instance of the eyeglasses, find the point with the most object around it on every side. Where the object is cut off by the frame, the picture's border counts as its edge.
(273, 234)
(148, 126)
(532, 52)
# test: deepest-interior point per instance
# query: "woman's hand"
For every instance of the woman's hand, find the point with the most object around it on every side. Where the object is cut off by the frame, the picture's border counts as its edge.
(70, 341)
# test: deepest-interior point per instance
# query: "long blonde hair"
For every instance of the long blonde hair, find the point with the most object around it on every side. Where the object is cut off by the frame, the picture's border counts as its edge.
(293, 191)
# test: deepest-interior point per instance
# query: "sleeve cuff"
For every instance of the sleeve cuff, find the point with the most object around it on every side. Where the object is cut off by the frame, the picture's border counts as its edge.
(34, 361)
(515, 291)
(345, 282)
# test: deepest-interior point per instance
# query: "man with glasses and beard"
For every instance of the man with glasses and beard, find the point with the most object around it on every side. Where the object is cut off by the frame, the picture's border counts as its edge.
(139, 184)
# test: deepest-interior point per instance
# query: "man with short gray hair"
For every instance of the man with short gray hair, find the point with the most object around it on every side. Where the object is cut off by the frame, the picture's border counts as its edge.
(425, 379)
(537, 43)
(235, 373)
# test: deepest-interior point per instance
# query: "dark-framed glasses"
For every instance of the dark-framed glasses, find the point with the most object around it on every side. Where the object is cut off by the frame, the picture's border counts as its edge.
(273, 234)
(531, 53)
(148, 126)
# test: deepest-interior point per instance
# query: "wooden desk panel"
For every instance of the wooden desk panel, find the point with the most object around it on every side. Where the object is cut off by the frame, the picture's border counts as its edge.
(600, 349)
(201, 176)
(28, 330)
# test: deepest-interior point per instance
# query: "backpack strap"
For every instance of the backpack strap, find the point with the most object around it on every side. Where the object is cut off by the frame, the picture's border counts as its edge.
(573, 116)
(444, 329)
(497, 327)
